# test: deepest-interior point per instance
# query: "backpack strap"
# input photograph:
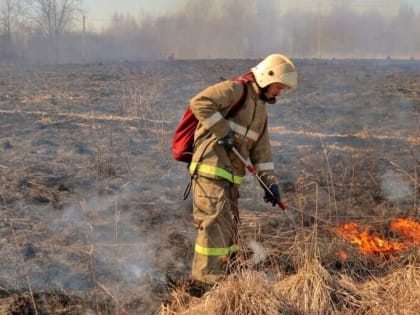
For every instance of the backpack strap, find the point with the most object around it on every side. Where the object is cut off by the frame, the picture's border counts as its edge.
(235, 108)
(244, 79)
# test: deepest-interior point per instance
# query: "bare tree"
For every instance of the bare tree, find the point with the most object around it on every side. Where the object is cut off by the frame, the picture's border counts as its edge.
(12, 28)
(6, 12)
(13, 18)
(54, 18)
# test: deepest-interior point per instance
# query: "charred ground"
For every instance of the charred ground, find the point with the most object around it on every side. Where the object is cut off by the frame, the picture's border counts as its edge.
(91, 217)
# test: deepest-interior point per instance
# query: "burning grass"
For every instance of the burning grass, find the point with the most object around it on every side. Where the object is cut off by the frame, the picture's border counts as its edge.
(368, 243)
(409, 228)
(318, 282)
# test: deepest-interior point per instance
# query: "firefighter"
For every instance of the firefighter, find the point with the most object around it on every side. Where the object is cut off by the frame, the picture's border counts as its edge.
(217, 172)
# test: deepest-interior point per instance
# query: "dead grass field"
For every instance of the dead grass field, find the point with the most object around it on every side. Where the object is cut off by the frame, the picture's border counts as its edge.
(92, 220)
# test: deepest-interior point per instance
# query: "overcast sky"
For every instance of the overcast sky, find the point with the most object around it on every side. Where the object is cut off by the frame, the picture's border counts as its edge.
(103, 9)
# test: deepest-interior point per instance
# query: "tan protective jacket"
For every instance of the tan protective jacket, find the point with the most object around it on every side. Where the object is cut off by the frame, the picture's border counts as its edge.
(210, 107)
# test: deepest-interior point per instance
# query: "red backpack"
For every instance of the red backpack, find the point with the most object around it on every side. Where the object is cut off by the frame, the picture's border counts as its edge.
(183, 139)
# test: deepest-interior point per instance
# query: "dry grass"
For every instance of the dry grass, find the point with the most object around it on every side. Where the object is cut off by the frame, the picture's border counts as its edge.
(312, 290)
(361, 285)
(246, 292)
(396, 293)
(309, 289)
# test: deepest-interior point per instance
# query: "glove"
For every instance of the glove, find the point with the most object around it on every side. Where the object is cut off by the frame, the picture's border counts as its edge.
(227, 141)
(275, 198)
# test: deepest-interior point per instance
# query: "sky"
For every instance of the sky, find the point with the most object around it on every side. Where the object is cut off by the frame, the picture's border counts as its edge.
(100, 11)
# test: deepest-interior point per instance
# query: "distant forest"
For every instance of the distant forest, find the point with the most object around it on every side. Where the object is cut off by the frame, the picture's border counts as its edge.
(53, 31)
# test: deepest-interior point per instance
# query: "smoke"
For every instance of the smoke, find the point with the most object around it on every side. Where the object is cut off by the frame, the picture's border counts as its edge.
(252, 29)
(130, 271)
(259, 252)
(394, 187)
(110, 243)
(235, 29)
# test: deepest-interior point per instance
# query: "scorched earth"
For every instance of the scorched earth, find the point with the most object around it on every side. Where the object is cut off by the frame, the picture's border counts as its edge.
(92, 217)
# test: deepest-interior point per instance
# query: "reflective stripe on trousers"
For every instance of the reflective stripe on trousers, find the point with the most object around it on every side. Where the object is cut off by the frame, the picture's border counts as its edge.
(226, 251)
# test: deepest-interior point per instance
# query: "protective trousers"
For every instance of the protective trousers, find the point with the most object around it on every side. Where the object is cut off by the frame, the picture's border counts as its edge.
(216, 217)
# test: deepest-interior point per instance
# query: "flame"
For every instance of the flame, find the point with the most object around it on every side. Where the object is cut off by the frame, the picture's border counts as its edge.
(407, 227)
(371, 244)
(342, 255)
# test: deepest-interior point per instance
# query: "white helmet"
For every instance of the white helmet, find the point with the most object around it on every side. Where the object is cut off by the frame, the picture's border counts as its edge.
(275, 68)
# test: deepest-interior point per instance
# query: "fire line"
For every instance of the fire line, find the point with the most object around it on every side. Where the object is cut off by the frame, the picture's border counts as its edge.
(367, 243)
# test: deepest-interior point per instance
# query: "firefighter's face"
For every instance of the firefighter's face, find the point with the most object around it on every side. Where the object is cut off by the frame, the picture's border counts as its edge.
(274, 90)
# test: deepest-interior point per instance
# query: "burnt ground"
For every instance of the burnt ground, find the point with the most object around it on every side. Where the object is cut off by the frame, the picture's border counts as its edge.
(92, 217)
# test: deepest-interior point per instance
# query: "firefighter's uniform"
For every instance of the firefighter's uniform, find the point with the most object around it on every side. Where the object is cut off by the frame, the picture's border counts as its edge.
(217, 174)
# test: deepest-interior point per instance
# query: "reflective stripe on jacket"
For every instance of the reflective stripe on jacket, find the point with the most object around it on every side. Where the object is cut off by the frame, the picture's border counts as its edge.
(249, 124)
